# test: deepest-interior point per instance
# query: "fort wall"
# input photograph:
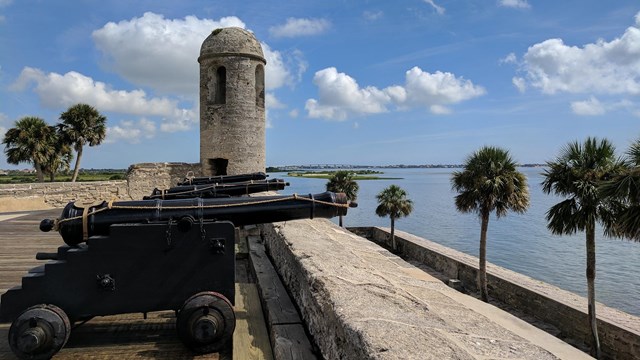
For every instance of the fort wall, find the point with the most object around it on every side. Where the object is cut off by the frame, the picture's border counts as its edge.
(141, 180)
(359, 301)
(619, 332)
(35, 196)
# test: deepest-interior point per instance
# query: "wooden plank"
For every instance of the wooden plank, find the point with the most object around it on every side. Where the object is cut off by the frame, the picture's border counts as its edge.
(277, 304)
(290, 342)
(242, 250)
(250, 339)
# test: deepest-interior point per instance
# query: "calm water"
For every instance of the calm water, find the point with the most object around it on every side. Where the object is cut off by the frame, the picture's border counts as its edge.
(521, 243)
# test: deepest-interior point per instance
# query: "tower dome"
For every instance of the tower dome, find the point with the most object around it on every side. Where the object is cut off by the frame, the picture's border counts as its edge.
(229, 41)
(232, 94)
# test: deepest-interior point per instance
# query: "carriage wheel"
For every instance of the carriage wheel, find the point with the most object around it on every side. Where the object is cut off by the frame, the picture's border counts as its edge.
(39, 332)
(206, 322)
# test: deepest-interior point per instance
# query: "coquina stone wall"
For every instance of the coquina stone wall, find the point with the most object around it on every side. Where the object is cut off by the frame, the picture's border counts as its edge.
(619, 332)
(141, 180)
(58, 194)
(144, 177)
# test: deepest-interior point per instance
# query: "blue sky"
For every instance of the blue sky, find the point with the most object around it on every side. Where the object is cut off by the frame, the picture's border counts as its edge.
(359, 82)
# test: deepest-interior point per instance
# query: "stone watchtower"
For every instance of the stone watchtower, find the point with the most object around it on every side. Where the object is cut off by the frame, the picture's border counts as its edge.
(232, 114)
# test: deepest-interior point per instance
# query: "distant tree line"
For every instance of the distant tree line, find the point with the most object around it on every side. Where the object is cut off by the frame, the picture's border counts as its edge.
(49, 148)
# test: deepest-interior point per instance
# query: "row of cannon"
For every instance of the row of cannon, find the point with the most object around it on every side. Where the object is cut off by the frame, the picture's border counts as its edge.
(172, 250)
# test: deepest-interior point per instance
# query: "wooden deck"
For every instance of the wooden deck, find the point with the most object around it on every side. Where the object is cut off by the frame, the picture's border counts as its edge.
(125, 336)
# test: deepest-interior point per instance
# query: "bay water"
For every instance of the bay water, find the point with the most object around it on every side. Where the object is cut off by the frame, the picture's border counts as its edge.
(519, 242)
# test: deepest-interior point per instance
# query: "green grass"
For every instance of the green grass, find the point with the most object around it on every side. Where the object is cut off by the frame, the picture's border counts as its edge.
(15, 177)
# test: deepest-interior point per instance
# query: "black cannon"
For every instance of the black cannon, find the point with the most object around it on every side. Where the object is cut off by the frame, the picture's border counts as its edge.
(144, 256)
(218, 189)
(222, 179)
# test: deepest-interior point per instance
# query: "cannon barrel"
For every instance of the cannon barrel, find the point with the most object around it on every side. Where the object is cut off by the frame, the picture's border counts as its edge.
(223, 179)
(218, 190)
(77, 224)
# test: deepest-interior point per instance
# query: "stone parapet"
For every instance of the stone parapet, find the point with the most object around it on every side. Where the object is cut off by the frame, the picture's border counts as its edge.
(619, 332)
(359, 301)
(142, 178)
(58, 194)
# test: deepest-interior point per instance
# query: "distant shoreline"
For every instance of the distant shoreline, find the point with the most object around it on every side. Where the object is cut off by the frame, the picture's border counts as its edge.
(288, 168)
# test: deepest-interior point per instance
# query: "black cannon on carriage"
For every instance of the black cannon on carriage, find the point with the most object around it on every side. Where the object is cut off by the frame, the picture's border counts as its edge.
(143, 256)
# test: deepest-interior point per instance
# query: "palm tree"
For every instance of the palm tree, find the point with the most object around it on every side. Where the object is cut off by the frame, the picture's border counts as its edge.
(29, 141)
(342, 182)
(577, 173)
(393, 202)
(489, 182)
(59, 157)
(82, 124)
(625, 189)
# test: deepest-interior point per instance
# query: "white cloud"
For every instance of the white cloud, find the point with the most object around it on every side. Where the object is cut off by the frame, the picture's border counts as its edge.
(157, 52)
(151, 51)
(131, 132)
(293, 113)
(518, 4)
(272, 102)
(439, 88)
(511, 58)
(277, 71)
(439, 9)
(439, 109)
(300, 27)
(3, 121)
(520, 84)
(340, 96)
(602, 67)
(61, 91)
(372, 15)
(589, 107)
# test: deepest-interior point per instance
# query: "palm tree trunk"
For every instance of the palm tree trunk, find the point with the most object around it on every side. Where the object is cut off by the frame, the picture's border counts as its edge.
(77, 168)
(591, 276)
(393, 234)
(39, 173)
(52, 176)
(341, 221)
(482, 273)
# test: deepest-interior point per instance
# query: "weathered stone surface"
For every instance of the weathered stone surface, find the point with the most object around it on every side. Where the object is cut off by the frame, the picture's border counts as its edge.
(232, 109)
(59, 194)
(144, 177)
(619, 332)
(361, 302)
(141, 180)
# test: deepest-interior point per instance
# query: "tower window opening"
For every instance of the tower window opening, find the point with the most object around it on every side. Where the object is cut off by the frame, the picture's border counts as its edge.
(220, 96)
(260, 86)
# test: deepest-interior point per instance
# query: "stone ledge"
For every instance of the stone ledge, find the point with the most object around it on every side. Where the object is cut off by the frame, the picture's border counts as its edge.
(619, 332)
(360, 302)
